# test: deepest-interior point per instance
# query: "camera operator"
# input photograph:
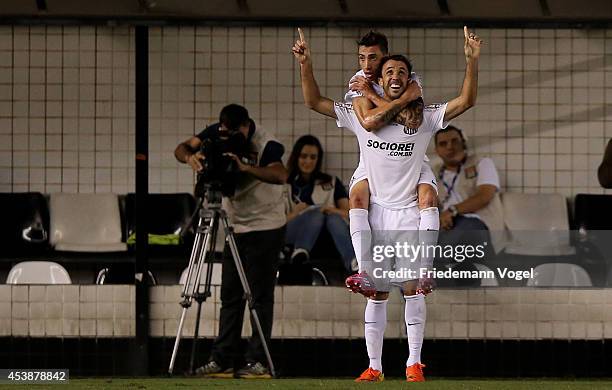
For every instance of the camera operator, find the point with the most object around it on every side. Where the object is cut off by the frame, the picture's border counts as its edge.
(256, 210)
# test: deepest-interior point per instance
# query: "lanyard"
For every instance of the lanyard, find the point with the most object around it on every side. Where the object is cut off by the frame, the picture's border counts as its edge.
(297, 198)
(449, 188)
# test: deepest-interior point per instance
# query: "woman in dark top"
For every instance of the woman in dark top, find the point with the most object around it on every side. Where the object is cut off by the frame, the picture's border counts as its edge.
(316, 201)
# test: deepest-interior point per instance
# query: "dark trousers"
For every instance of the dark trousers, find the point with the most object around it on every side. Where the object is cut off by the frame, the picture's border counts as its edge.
(259, 254)
(466, 231)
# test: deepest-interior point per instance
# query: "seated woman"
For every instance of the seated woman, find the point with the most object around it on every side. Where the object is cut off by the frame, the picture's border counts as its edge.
(316, 200)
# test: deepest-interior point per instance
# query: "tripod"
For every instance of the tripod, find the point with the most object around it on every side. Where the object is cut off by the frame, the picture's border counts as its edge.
(211, 214)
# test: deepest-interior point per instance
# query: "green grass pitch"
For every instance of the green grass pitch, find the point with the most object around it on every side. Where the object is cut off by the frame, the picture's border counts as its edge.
(331, 384)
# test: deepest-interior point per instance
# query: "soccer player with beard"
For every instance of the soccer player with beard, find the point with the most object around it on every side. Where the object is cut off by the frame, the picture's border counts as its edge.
(364, 90)
(392, 158)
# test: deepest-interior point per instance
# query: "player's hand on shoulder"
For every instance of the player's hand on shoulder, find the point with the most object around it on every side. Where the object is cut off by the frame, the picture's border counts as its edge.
(412, 91)
(359, 83)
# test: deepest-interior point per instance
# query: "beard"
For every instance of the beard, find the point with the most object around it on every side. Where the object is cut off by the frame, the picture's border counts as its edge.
(394, 94)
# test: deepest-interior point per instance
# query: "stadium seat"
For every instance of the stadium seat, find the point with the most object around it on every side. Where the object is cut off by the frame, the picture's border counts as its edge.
(215, 279)
(121, 274)
(560, 275)
(38, 272)
(592, 235)
(25, 223)
(86, 223)
(538, 224)
(166, 213)
(319, 278)
(592, 212)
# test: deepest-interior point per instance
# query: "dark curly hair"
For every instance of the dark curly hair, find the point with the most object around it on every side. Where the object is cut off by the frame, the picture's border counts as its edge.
(394, 57)
(373, 38)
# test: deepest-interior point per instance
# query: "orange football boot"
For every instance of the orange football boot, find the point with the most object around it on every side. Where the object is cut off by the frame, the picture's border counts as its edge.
(414, 373)
(371, 375)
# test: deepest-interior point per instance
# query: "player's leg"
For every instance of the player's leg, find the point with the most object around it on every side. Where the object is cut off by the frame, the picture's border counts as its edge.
(429, 222)
(427, 196)
(406, 221)
(375, 323)
(359, 196)
(361, 234)
(359, 225)
(415, 315)
(375, 316)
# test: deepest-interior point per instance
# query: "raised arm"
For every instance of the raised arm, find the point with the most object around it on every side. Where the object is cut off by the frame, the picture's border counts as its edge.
(310, 89)
(467, 97)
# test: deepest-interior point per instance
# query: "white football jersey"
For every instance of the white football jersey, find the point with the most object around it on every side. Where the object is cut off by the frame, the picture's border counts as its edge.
(393, 155)
(360, 172)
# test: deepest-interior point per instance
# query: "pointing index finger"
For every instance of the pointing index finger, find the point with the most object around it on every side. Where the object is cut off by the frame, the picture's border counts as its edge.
(465, 32)
(301, 34)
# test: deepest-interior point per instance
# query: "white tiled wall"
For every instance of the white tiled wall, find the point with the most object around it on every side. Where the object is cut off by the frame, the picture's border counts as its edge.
(67, 311)
(306, 312)
(67, 111)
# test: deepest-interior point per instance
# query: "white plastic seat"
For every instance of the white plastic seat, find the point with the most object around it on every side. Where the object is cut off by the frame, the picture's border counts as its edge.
(38, 272)
(538, 224)
(560, 275)
(104, 272)
(85, 223)
(486, 282)
(215, 279)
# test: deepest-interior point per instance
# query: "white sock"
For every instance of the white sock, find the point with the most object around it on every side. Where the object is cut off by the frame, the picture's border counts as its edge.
(415, 315)
(361, 234)
(429, 225)
(430, 219)
(375, 324)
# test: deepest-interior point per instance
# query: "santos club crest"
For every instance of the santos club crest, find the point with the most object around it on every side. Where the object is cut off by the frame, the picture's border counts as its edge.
(409, 131)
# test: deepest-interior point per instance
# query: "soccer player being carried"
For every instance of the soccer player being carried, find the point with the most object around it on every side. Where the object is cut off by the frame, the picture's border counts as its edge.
(364, 90)
(393, 157)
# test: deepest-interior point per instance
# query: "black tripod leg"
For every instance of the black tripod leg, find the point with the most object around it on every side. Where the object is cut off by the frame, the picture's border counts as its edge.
(247, 291)
(198, 241)
(192, 282)
(195, 338)
(186, 294)
(201, 297)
